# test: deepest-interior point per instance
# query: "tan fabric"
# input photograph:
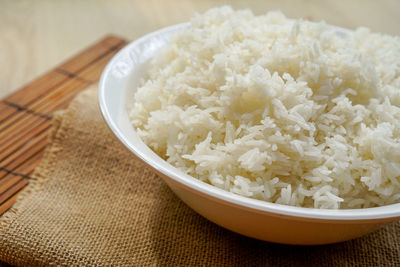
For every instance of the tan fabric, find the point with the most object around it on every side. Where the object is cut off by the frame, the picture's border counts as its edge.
(94, 204)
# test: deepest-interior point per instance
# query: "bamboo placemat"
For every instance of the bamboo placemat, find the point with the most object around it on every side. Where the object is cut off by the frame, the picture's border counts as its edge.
(25, 116)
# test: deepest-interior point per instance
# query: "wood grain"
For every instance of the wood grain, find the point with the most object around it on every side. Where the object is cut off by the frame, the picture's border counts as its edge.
(37, 35)
(26, 114)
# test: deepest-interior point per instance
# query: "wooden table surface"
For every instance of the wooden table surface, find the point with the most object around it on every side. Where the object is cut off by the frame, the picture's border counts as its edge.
(37, 35)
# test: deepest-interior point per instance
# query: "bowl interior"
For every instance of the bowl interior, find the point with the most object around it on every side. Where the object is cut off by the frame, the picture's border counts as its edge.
(117, 86)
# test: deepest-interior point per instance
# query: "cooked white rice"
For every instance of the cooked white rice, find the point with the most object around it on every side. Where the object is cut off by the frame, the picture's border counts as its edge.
(287, 111)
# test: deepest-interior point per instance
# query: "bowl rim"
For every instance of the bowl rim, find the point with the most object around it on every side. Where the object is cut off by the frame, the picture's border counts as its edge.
(391, 211)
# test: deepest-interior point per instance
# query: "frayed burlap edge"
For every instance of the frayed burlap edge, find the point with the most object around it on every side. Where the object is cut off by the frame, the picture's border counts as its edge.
(40, 175)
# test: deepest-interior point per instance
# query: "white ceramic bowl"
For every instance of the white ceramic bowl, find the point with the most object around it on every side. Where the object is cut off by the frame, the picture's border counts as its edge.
(250, 217)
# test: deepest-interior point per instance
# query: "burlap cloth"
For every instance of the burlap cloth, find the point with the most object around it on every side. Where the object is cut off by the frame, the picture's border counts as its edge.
(94, 204)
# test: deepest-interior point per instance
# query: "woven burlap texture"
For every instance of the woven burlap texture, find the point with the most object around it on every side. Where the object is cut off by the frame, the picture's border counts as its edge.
(94, 204)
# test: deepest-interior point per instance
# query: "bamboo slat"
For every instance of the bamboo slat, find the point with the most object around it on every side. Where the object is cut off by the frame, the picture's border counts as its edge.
(14, 188)
(6, 205)
(6, 111)
(36, 89)
(25, 116)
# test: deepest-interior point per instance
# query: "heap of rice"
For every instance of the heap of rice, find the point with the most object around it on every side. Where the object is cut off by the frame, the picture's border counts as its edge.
(286, 111)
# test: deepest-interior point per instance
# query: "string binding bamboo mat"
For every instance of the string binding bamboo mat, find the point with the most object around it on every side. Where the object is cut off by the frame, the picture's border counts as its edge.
(25, 116)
